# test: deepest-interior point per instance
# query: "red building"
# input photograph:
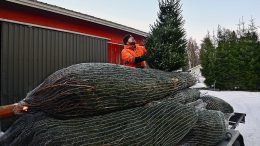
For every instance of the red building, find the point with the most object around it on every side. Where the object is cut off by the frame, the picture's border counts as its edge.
(45, 15)
(37, 39)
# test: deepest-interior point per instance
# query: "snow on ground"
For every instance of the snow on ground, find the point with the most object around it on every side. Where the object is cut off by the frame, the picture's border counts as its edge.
(200, 83)
(244, 102)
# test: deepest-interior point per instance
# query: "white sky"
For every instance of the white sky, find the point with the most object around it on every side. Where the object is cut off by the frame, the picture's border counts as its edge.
(200, 16)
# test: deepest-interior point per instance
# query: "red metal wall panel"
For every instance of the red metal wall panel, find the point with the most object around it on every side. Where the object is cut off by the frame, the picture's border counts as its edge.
(114, 53)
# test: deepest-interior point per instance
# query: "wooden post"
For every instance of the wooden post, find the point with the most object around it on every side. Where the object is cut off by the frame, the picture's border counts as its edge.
(12, 110)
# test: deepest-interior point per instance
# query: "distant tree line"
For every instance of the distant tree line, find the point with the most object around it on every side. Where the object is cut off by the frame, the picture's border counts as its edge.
(192, 51)
(231, 59)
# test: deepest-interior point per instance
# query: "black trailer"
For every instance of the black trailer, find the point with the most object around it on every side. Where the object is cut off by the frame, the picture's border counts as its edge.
(234, 137)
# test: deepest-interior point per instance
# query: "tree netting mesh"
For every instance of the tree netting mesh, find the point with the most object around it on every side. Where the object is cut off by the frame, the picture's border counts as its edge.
(97, 88)
(164, 123)
(211, 126)
(184, 96)
(214, 103)
(209, 130)
(104, 104)
(21, 131)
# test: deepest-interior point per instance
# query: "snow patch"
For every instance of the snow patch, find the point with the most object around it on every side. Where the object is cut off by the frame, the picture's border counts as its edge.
(244, 102)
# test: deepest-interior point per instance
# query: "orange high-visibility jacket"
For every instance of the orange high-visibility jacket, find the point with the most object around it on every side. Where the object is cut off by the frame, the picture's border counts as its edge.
(128, 54)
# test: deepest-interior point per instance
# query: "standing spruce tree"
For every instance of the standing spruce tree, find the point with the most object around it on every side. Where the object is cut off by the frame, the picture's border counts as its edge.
(207, 60)
(166, 43)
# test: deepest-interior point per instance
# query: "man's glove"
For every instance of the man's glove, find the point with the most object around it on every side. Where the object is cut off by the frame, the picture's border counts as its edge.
(139, 59)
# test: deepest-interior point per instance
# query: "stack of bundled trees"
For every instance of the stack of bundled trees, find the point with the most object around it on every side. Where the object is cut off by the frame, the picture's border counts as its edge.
(108, 104)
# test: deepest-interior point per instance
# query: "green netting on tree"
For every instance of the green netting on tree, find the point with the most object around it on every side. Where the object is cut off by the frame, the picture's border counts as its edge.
(185, 96)
(209, 130)
(214, 103)
(97, 88)
(164, 123)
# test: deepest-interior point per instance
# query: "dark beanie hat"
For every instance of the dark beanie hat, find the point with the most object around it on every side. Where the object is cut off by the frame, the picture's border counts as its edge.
(125, 39)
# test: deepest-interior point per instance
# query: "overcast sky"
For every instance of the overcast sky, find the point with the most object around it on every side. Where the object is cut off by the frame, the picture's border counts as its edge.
(200, 15)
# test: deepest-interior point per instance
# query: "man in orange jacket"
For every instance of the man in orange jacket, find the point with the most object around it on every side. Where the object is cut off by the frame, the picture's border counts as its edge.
(133, 55)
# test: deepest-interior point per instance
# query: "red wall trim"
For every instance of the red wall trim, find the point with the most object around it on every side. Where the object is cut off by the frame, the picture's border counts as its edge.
(26, 14)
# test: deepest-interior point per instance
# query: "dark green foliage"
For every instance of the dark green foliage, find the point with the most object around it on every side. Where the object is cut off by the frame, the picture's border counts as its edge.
(166, 43)
(208, 60)
(234, 63)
